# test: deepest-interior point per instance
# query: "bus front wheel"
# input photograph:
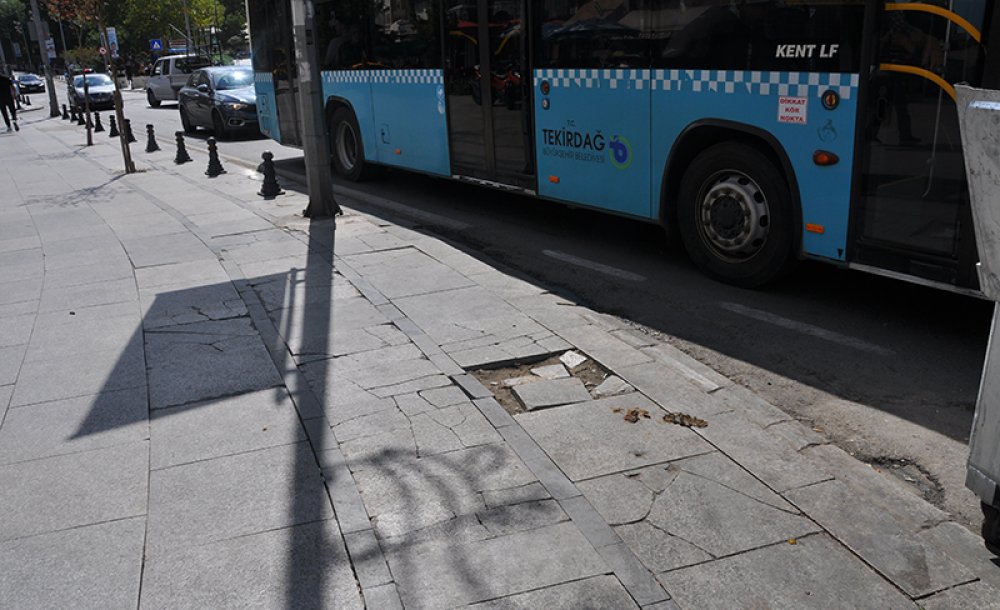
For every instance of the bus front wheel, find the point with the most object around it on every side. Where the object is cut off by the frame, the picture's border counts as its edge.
(735, 215)
(346, 147)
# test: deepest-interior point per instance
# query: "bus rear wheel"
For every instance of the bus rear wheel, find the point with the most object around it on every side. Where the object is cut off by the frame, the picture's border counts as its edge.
(735, 215)
(346, 147)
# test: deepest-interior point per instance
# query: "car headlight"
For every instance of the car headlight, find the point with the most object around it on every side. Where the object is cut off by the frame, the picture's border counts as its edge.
(236, 105)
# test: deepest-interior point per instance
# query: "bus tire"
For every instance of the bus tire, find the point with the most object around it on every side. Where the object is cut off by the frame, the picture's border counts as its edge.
(735, 215)
(347, 148)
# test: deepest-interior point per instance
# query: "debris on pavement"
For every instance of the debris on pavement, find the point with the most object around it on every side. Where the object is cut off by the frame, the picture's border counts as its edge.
(683, 419)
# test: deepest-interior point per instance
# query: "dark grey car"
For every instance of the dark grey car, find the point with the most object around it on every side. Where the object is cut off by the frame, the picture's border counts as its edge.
(219, 98)
(100, 90)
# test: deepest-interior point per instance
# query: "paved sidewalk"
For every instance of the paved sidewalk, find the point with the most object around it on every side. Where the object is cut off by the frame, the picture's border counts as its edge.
(208, 401)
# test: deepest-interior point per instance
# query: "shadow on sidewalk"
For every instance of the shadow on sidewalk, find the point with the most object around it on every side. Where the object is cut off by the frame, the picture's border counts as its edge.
(205, 354)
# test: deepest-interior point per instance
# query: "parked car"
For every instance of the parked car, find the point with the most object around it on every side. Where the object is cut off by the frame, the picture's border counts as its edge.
(221, 98)
(100, 90)
(30, 83)
(169, 74)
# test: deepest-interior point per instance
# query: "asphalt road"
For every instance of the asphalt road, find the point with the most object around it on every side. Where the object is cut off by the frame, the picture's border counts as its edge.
(887, 370)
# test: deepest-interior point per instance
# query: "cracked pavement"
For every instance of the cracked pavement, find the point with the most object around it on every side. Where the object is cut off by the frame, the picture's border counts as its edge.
(218, 403)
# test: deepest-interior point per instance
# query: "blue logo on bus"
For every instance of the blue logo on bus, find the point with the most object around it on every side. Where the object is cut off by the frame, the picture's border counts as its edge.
(620, 152)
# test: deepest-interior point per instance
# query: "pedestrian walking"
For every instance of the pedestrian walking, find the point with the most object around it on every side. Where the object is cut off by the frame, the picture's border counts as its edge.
(7, 107)
(129, 68)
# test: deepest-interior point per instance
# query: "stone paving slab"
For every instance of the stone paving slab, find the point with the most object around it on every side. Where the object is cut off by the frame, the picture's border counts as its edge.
(10, 363)
(551, 393)
(907, 560)
(16, 330)
(73, 425)
(458, 574)
(595, 593)
(305, 566)
(67, 491)
(815, 572)
(590, 439)
(973, 596)
(187, 367)
(96, 566)
(232, 496)
(80, 375)
(224, 426)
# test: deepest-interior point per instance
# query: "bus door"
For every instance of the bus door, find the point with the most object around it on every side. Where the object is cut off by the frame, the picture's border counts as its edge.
(913, 214)
(487, 84)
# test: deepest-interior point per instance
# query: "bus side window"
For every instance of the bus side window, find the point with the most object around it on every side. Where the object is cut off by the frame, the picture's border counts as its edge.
(595, 34)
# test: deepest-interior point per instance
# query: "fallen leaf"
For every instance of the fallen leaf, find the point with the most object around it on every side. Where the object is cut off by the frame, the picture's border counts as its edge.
(616, 410)
(792, 541)
(683, 419)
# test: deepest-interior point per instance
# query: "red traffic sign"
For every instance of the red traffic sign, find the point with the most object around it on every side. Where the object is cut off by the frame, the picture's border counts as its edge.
(102, 51)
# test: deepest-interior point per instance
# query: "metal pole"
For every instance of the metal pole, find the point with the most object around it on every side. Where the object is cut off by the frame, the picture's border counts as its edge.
(44, 54)
(315, 144)
(119, 113)
(187, 27)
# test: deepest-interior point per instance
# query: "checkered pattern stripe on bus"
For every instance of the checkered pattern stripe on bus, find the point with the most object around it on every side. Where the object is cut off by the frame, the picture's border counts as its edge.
(595, 79)
(262, 77)
(799, 84)
(393, 77)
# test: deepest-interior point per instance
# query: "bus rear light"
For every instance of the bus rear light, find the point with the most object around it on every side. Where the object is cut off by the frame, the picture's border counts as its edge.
(544, 87)
(824, 157)
(819, 229)
(554, 179)
(398, 151)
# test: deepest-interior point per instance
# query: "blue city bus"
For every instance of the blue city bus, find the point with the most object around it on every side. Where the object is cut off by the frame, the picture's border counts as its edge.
(759, 131)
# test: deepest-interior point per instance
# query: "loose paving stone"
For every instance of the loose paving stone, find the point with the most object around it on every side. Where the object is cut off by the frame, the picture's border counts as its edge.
(973, 596)
(603, 347)
(516, 381)
(515, 495)
(68, 491)
(552, 371)
(223, 426)
(543, 394)
(719, 520)
(907, 560)
(768, 456)
(233, 496)
(589, 439)
(298, 567)
(504, 520)
(658, 550)
(447, 576)
(187, 367)
(96, 566)
(73, 425)
(813, 573)
(612, 386)
(595, 593)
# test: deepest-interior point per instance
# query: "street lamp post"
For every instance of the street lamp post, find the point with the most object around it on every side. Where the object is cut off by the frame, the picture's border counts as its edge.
(43, 55)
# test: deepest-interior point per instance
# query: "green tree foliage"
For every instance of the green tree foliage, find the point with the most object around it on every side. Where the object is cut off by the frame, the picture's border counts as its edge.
(12, 12)
(144, 20)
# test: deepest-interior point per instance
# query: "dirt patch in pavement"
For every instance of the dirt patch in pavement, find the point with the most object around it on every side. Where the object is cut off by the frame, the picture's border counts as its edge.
(589, 372)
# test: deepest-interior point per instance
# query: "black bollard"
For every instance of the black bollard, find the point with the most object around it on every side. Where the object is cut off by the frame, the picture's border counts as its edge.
(182, 153)
(151, 145)
(72, 114)
(79, 118)
(27, 101)
(129, 136)
(214, 165)
(65, 114)
(113, 133)
(270, 187)
(97, 122)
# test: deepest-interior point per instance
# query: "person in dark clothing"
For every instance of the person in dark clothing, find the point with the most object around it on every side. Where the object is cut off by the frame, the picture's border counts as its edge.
(7, 101)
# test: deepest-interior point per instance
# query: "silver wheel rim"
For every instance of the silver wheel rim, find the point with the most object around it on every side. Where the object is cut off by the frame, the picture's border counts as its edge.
(347, 145)
(733, 215)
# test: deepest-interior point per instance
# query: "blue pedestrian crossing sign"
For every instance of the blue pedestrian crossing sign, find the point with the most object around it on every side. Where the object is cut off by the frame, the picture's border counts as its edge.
(156, 44)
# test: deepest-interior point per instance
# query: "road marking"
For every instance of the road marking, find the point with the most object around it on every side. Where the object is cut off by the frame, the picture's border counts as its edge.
(808, 329)
(598, 267)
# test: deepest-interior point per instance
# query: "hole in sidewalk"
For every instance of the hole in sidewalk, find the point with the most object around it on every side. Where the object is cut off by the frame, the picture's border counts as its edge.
(911, 473)
(502, 379)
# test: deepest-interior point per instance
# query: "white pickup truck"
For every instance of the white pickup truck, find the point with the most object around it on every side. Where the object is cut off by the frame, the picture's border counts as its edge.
(169, 74)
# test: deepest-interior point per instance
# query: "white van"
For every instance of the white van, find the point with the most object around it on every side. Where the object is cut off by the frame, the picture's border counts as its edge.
(169, 74)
